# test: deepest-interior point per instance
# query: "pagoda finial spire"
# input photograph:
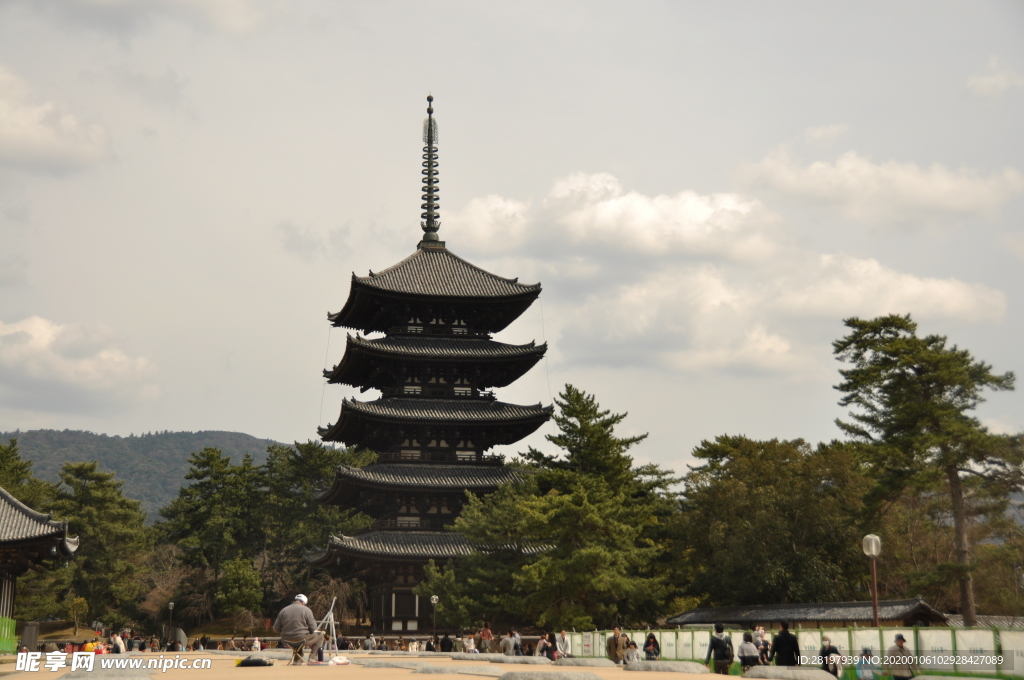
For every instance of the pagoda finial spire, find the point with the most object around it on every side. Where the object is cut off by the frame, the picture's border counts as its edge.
(430, 223)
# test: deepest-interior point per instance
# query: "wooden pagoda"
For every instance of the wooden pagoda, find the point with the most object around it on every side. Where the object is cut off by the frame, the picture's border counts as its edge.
(435, 367)
(27, 539)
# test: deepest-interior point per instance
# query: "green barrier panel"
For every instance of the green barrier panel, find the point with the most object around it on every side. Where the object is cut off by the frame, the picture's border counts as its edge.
(936, 645)
(1011, 646)
(8, 638)
(975, 642)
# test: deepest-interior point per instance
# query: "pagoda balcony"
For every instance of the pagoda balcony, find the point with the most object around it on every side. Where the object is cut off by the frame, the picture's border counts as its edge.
(437, 330)
(440, 457)
(413, 524)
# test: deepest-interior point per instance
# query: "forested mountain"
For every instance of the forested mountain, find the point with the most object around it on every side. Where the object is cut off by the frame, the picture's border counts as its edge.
(152, 465)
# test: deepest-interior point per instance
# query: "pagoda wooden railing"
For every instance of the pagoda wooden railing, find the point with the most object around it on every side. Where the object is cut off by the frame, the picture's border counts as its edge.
(424, 525)
(428, 457)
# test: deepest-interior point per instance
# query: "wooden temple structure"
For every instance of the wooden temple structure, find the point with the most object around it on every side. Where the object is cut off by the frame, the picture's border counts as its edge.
(435, 366)
(27, 539)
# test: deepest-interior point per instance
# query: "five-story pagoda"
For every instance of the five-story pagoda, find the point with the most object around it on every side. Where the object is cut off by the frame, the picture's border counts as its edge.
(435, 367)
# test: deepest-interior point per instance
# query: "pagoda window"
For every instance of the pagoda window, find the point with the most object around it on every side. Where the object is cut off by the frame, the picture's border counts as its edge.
(408, 521)
(412, 389)
(410, 454)
(462, 391)
(465, 455)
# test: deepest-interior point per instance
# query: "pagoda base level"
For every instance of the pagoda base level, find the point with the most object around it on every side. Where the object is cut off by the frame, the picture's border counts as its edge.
(396, 610)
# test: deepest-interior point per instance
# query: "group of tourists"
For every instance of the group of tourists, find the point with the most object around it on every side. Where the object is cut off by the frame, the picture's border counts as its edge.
(622, 650)
(784, 650)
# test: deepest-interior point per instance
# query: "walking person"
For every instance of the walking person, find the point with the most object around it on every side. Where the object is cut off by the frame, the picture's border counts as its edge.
(747, 652)
(485, 638)
(826, 653)
(764, 644)
(615, 647)
(652, 650)
(508, 644)
(785, 649)
(901, 665)
(866, 668)
(721, 649)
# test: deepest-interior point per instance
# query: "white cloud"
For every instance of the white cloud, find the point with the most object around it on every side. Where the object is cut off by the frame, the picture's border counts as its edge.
(46, 366)
(994, 81)
(824, 134)
(697, 305)
(829, 284)
(44, 135)
(999, 426)
(891, 191)
(122, 16)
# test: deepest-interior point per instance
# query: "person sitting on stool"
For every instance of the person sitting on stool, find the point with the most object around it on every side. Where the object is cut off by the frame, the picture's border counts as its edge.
(295, 622)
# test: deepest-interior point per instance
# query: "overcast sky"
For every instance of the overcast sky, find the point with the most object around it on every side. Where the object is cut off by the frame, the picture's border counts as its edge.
(705, 191)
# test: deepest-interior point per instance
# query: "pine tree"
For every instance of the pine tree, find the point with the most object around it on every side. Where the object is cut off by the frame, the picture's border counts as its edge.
(912, 398)
(113, 538)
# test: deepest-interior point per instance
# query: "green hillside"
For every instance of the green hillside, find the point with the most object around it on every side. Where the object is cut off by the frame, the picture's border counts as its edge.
(153, 466)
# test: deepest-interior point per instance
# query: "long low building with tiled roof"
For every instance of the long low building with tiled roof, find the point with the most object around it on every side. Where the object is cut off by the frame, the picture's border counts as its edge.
(379, 363)
(906, 612)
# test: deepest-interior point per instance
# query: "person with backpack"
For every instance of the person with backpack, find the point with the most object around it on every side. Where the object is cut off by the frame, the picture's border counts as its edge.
(721, 649)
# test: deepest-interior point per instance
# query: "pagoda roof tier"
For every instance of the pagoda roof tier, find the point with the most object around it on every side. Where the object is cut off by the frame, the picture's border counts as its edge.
(400, 546)
(366, 361)
(348, 480)
(384, 423)
(392, 546)
(27, 536)
(434, 281)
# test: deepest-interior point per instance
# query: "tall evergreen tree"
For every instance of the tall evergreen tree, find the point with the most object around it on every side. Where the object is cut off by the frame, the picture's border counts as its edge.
(16, 478)
(576, 544)
(114, 539)
(912, 399)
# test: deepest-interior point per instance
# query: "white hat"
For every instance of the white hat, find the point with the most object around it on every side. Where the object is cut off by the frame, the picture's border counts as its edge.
(301, 598)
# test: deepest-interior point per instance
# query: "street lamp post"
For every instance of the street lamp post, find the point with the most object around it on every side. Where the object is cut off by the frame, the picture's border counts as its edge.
(433, 601)
(170, 621)
(872, 546)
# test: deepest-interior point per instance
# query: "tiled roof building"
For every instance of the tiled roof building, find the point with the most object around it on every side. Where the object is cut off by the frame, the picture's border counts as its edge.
(436, 418)
(27, 538)
(908, 612)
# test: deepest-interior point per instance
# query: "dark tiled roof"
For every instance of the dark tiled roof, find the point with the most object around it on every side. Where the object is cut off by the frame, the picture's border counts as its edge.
(888, 610)
(445, 348)
(440, 272)
(20, 523)
(455, 410)
(472, 477)
(376, 424)
(1017, 622)
(410, 545)
(366, 362)
(397, 546)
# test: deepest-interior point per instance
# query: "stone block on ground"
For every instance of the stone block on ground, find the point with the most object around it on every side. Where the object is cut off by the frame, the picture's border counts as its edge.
(392, 663)
(668, 667)
(593, 663)
(538, 660)
(480, 669)
(788, 673)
